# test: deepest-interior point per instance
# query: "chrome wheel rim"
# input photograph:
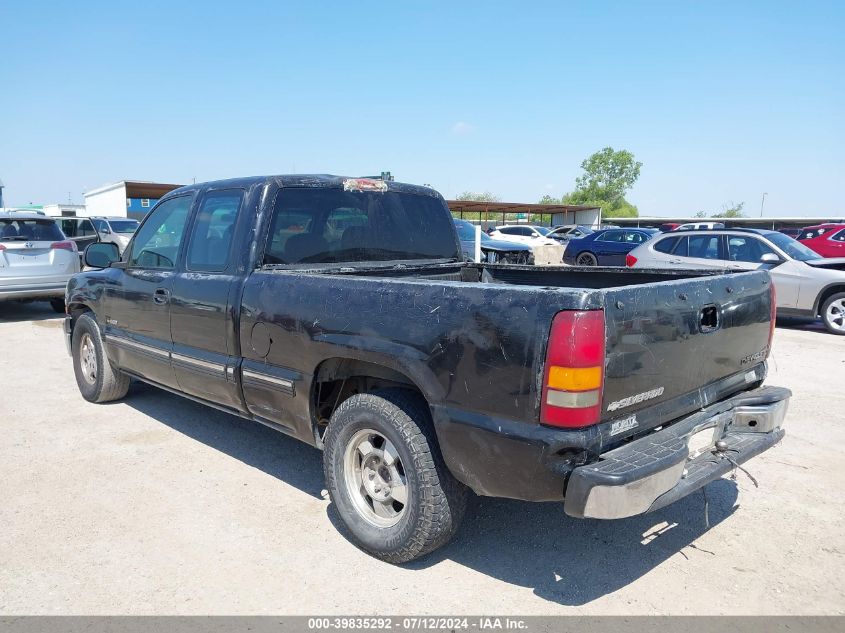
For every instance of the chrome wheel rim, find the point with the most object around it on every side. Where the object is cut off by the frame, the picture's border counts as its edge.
(375, 478)
(88, 359)
(835, 315)
(586, 259)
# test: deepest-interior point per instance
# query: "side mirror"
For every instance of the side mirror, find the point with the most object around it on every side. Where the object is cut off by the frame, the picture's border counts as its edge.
(771, 259)
(101, 254)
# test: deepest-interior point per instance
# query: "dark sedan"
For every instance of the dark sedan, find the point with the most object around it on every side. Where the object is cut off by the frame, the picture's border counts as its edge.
(492, 250)
(607, 247)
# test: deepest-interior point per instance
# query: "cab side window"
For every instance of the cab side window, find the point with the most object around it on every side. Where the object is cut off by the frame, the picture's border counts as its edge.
(157, 242)
(839, 237)
(704, 246)
(665, 245)
(611, 236)
(211, 237)
(746, 249)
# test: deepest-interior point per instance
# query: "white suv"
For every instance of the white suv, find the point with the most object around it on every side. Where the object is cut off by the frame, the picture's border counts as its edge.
(36, 259)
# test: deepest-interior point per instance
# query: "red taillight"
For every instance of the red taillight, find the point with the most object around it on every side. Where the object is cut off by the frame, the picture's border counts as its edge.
(630, 260)
(64, 246)
(2, 248)
(574, 371)
(774, 308)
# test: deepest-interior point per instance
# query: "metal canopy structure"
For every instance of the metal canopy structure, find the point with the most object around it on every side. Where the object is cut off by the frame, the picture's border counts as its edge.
(499, 211)
(751, 223)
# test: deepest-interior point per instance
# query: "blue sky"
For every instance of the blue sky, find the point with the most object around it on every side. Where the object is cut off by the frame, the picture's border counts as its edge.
(721, 101)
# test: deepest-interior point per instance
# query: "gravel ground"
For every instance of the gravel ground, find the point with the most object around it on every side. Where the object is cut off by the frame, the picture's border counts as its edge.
(157, 505)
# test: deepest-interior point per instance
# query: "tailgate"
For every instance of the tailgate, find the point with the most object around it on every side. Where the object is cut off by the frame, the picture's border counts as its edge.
(677, 343)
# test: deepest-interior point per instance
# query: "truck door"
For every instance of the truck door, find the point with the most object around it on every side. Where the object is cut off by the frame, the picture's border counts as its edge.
(137, 305)
(201, 317)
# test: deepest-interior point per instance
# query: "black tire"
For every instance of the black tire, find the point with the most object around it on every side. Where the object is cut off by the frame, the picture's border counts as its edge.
(435, 501)
(833, 313)
(586, 259)
(105, 383)
(58, 305)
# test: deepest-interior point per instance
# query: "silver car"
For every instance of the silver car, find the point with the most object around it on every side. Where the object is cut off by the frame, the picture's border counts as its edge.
(116, 230)
(36, 259)
(807, 285)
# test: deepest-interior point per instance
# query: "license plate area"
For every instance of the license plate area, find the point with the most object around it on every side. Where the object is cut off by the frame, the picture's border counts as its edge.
(702, 441)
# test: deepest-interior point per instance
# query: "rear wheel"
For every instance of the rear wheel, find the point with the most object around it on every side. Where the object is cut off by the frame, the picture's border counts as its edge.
(58, 305)
(833, 313)
(586, 259)
(387, 479)
(97, 380)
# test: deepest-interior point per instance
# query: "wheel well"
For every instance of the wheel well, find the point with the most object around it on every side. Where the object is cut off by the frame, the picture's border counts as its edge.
(336, 379)
(825, 294)
(76, 310)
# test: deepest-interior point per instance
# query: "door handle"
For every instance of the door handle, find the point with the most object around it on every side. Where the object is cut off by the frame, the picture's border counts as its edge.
(161, 296)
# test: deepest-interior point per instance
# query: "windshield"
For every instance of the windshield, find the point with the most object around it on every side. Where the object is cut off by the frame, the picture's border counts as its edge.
(793, 248)
(323, 226)
(30, 231)
(542, 230)
(466, 231)
(123, 226)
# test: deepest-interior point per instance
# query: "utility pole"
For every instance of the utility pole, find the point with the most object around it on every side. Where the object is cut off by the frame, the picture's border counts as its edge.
(762, 202)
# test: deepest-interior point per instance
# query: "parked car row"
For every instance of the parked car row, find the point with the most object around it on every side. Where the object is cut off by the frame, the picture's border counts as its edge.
(38, 253)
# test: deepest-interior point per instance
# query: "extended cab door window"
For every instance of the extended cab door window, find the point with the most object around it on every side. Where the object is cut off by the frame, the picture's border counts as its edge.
(210, 245)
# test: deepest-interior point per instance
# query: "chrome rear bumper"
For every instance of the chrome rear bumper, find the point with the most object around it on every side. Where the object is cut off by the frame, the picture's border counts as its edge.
(669, 464)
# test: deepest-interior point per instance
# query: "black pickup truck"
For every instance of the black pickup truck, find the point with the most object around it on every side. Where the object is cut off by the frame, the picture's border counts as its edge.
(340, 311)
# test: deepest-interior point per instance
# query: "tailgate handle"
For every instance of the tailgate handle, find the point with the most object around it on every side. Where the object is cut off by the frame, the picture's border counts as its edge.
(708, 319)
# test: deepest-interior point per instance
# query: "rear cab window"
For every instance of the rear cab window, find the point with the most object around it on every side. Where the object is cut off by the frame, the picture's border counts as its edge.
(327, 226)
(29, 230)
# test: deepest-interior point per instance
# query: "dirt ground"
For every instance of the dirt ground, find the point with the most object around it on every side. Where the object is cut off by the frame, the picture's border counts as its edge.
(157, 505)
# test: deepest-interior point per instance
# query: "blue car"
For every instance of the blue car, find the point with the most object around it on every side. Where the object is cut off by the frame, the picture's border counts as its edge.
(606, 247)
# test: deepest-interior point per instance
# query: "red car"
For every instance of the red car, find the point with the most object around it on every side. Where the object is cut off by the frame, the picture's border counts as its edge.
(828, 240)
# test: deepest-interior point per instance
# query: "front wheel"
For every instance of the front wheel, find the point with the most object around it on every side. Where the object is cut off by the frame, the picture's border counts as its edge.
(833, 313)
(97, 380)
(386, 476)
(586, 259)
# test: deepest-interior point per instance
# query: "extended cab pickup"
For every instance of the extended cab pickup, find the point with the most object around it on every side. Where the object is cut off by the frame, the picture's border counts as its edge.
(341, 312)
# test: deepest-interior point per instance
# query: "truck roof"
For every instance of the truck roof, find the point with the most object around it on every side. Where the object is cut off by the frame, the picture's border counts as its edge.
(305, 180)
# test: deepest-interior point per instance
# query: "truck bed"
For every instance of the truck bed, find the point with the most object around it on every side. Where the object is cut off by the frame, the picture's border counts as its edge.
(472, 337)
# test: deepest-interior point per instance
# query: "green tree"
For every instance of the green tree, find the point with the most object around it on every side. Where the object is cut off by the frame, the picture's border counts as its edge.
(478, 196)
(730, 210)
(608, 175)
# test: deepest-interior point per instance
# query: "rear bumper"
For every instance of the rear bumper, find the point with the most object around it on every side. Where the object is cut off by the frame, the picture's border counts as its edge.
(33, 291)
(658, 469)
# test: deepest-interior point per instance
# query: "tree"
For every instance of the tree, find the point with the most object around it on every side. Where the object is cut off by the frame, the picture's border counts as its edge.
(608, 175)
(728, 211)
(482, 196)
